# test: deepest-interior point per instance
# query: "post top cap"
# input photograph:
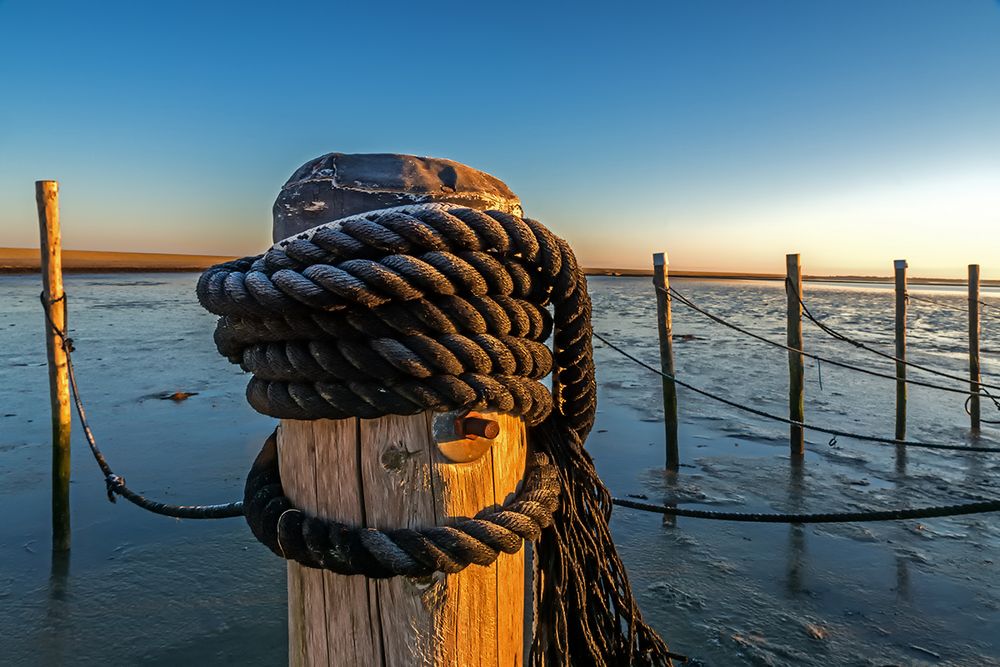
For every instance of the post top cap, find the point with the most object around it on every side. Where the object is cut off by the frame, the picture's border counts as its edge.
(337, 185)
(660, 259)
(900, 264)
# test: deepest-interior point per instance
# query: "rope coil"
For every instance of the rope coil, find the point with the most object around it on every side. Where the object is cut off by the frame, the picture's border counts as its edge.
(330, 545)
(437, 307)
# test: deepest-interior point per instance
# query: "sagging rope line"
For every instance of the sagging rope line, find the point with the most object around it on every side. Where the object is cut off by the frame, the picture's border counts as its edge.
(856, 343)
(942, 304)
(826, 517)
(792, 422)
(116, 483)
(833, 362)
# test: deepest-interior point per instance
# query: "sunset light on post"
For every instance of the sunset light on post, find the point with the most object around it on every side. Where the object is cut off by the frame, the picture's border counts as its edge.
(359, 323)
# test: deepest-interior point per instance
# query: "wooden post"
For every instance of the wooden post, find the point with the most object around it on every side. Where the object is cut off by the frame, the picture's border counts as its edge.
(796, 362)
(974, 376)
(47, 198)
(391, 473)
(664, 321)
(899, 267)
(388, 473)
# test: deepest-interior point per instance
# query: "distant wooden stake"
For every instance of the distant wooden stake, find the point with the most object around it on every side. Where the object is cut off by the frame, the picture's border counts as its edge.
(47, 197)
(796, 363)
(974, 377)
(900, 269)
(664, 322)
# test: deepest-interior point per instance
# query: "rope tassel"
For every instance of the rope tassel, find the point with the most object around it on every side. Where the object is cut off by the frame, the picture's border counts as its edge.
(438, 307)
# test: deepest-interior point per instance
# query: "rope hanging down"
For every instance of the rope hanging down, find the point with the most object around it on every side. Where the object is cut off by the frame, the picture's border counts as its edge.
(439, 307)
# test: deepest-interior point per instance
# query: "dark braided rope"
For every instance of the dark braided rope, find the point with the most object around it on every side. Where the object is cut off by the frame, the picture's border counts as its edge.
(330, 545)
(356, 266)
(439, 307)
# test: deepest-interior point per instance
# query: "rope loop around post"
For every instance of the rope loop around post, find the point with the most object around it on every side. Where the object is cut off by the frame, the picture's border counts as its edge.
(318, 543)
(438, 307)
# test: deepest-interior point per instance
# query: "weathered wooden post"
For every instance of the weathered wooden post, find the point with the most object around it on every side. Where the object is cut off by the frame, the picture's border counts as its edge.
(974, 375)
(392, 472)
(899, 267)
(47, 198)
(664, 322)
(796, 362)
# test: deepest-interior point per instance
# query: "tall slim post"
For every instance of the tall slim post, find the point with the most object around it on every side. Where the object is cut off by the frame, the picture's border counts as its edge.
(47, 198)
(899, 267)
(974, 345)
(664, 322)
(796, 363)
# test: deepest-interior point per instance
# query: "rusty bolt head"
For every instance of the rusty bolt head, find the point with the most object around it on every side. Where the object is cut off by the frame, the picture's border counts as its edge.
(473, 426)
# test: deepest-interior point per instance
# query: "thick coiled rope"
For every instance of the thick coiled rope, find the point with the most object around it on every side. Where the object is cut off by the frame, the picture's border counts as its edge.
(439, 307)
(330, 545)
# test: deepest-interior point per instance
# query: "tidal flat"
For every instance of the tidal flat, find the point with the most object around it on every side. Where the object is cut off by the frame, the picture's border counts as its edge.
(143, 589)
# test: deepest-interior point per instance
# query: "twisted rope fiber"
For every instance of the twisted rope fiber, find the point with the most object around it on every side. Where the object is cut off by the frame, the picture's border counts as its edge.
(785, 420)
(333, 546)
(439, 307)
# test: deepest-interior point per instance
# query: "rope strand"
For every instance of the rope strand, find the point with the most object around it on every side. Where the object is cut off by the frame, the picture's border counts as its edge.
(115, 483)
(792, 422)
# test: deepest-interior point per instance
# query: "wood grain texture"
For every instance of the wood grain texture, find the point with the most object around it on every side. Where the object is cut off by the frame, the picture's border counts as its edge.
(796, 362)
(665, 328)
(388, 473)
(974, 331)
(329, 617)
(50, 237)
(899, 269)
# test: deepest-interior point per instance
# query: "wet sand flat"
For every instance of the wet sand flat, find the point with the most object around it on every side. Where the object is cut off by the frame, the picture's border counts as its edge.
(167, 592)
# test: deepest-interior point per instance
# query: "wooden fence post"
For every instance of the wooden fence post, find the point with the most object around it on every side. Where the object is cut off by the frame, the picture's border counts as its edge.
(974, 375)
(899, 267)
(664, 325)
(796, 363)
(47, 198)
(391, 473)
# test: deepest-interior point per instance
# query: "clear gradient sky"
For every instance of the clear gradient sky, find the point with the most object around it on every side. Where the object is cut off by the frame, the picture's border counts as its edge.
(726, 132)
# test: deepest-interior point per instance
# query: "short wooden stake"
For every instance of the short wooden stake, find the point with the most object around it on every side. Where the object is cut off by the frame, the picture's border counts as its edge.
(974, 375)
(664, 325)
(47, 198)
(796, 362)
(899, 266)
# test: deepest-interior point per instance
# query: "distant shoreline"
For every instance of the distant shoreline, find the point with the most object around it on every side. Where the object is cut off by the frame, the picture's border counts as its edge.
(25, 260)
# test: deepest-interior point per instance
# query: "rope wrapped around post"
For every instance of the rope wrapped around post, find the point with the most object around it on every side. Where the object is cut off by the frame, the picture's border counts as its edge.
(438, 307)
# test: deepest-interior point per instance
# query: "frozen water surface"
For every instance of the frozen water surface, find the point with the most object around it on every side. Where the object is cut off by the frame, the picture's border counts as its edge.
(143, 589)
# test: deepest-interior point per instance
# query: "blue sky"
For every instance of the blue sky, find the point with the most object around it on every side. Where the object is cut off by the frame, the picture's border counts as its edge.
(727, 133)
